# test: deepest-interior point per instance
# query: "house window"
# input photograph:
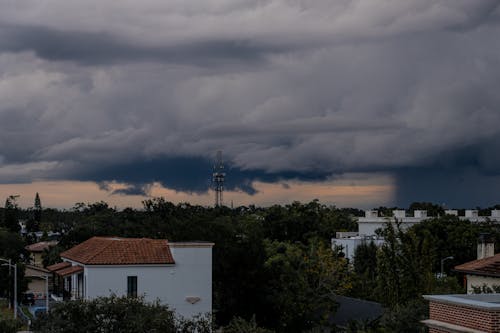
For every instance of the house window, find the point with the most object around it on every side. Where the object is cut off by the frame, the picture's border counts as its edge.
(132, 286)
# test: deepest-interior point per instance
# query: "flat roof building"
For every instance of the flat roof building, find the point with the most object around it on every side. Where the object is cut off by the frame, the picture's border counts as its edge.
(478, 313)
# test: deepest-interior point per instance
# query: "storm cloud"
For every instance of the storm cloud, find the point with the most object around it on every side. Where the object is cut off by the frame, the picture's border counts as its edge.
(142, 92)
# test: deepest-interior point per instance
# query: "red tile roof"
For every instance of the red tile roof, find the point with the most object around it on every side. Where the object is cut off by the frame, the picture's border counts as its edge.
(40, 247)
(58, 266)
(70, 270)
(486, 267)
(120, 251)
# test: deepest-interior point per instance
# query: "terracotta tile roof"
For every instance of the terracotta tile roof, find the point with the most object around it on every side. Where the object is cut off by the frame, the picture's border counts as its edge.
(58, 266)
(40, 247)
(486, 267)
(36, 268)
(70, 270)
(120, 251)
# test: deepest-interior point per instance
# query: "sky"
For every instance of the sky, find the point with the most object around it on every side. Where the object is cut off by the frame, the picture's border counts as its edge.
(357, 103)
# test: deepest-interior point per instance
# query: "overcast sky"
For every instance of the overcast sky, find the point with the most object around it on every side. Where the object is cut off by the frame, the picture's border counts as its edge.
(133, 96)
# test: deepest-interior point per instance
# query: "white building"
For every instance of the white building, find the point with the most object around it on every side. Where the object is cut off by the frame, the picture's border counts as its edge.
(349, 242)
(371, 221)
(177, 274)
(368, 225)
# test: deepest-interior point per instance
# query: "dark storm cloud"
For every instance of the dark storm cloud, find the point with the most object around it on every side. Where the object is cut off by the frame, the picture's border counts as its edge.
(187, 174)
(91, 48)
(148, 91)
(453, 188)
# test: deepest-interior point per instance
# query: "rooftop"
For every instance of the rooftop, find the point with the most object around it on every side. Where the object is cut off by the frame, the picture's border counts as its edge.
(482, 301)
(489, 266)
(120, 251)
(40, 246)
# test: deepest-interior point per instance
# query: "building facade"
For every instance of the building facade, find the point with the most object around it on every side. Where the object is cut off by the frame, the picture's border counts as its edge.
(176, 274)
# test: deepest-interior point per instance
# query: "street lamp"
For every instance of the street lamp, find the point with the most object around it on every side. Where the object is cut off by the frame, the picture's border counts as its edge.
(8, 263)
(442, 264)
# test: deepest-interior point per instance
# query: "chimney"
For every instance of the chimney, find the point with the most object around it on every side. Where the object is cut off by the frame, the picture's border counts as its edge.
(485, 246)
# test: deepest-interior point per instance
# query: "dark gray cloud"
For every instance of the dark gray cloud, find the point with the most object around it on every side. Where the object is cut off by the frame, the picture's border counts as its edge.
(188, 174)
(148, 91)
(91, 48)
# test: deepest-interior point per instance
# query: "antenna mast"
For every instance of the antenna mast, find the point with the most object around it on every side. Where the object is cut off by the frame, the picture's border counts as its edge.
(218, 178)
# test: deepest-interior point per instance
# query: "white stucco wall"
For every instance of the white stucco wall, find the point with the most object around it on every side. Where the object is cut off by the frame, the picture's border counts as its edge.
(479, 281)
(191, 276)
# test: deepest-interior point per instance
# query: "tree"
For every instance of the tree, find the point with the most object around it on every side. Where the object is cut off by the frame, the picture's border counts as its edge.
(302, 284)
(404, 266)
(114, 314)
(37, 213)
(432, 209)
(365, 267)
(10, 214)
(240, 325)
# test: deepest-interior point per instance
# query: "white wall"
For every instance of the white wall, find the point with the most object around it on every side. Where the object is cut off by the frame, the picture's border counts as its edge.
(191, 276)
(193, 266)
(479, 281)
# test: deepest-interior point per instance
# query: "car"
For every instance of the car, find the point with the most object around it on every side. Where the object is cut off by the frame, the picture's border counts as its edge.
(28, 299)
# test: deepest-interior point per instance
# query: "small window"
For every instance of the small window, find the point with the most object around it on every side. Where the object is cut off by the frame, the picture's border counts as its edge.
(132, 286)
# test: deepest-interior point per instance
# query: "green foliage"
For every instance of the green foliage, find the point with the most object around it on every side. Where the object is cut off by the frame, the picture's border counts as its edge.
(240, 325)
(365, 267)
(10, 214)
(486, 289)
(432, 209)
(405, 317)
(447, 285)
(115, 314)
(11, 247)
(302, 283)
(8, 325)
(51, 256)
(34, 222)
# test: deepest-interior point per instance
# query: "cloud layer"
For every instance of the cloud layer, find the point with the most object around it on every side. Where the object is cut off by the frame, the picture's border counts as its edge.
(147, 91)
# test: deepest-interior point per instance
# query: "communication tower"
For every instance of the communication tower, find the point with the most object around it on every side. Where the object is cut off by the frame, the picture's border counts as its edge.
(218, 176)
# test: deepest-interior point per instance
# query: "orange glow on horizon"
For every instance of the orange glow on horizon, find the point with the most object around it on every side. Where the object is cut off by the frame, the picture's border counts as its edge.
(362, 192)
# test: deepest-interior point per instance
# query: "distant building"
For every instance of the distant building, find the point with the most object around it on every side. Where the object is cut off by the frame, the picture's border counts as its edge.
(177, 274)
(479, 313)
(37, 284)
(36, 251)
(349, 242)
(372, 221)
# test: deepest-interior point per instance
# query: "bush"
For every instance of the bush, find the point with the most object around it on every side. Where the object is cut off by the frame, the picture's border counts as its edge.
(9, 325)
(115, 314)
(240, 325)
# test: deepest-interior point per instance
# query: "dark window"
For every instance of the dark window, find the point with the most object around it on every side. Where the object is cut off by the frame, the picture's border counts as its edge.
(132, 286)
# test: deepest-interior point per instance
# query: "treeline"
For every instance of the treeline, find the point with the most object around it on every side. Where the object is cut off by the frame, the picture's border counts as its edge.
(274, 266)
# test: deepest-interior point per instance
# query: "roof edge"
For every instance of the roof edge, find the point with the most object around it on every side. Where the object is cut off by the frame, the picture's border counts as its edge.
(191, 244)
